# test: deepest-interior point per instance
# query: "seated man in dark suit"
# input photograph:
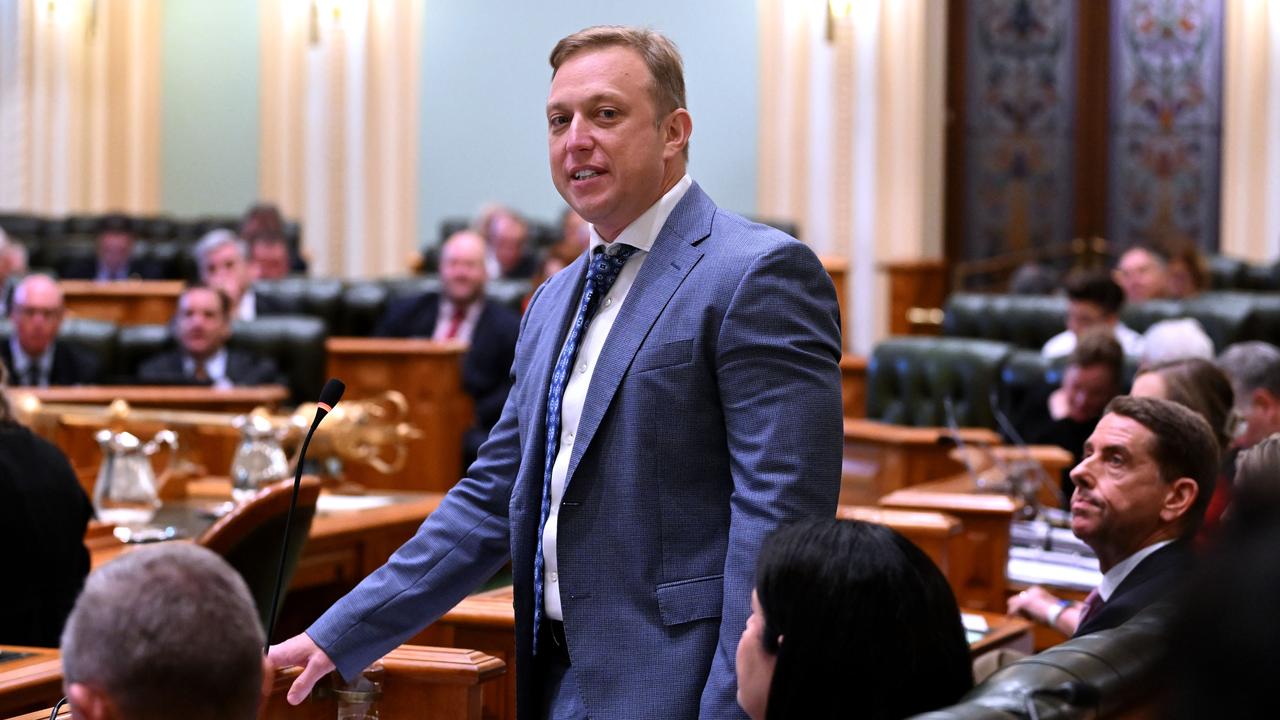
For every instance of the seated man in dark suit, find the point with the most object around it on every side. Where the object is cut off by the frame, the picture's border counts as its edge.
(34, 356)
(168, 631)
(461, 312)
(202, 326)
(114, 260)
(1148, 472)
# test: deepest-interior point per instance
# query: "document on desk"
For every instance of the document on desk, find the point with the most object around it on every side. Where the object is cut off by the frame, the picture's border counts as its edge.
(351, 503)
(1034, 566)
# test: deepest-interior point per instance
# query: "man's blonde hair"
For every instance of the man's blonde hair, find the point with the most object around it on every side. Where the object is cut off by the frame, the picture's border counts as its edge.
(658, 52)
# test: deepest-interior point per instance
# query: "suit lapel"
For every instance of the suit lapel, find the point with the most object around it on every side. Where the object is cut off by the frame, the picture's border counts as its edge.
(673, 255)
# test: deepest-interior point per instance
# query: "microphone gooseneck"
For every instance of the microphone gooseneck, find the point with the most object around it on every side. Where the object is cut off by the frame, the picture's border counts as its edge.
(329, 397)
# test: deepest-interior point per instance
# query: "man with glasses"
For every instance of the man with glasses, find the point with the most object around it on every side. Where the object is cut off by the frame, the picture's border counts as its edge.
(34, 356)
(1254, 370)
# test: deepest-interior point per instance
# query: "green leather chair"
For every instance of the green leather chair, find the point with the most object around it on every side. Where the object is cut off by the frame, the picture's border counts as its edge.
(294, 342)
(909, 379)
(1025, 321)
(316, 297)
(1120, 668)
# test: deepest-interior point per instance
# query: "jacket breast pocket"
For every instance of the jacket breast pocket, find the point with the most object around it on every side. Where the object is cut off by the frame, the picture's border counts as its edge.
(668, 354)
(688, 600)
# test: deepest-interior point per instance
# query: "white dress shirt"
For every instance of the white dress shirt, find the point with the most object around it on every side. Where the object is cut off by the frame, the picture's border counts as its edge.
(444, 318)
(1116, 575)
(247, 309)
(641, 235)
(1062, 344)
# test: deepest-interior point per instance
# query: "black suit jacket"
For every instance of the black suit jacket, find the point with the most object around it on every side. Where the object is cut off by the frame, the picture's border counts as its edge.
(486, 369)
(72, 365)
(1153, 579)
(86, 268)
(243, 368)
(43, 514)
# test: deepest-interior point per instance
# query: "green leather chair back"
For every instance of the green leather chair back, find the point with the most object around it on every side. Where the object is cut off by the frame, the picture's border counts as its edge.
(909, 378)
(1025, 321)
(1121, 665)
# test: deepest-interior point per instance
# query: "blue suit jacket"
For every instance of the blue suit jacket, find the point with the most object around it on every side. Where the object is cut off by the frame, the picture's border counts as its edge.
(712, 417)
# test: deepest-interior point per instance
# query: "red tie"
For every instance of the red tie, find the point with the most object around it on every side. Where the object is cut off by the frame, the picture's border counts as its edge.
(1092, 602)
(451, 332)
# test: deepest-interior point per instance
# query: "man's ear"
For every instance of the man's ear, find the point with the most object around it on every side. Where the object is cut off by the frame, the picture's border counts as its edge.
(676, 131)
(1178, 500)
(89, 702)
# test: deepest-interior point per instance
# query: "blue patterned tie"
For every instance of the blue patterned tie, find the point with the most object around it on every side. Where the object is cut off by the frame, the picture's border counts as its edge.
(601, 274)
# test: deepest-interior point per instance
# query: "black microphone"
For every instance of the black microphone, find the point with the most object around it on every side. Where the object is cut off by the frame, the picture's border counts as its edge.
(1041, 475)
(329, 397)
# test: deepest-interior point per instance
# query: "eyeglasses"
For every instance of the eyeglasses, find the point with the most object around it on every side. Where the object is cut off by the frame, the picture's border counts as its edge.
(28, 311)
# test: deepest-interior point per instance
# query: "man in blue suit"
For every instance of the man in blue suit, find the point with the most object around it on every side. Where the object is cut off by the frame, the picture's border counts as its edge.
(676, 397)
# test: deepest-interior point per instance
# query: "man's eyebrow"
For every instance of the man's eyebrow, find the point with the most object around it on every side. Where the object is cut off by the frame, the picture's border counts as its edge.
(605, 96)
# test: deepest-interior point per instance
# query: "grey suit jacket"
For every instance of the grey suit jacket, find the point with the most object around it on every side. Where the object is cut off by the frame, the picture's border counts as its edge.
(712, 417)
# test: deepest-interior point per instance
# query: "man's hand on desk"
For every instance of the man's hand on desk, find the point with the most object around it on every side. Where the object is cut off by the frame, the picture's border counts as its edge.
(1044, 607)
(302, 651)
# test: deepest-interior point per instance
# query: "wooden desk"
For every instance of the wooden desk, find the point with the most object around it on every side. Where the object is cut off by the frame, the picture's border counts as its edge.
(342, 548)
(30, 683)
(982, 556)
(486, 621)
(933, 532)
(207, 445)
(853, 385)
(1004, 632)
(838, 268)
(123, 302)
(880, 458)
(429, 374)
(450, 682)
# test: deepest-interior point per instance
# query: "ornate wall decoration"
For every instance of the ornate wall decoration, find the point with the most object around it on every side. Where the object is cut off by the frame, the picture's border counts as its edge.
(1019, 110)
(1166, 119)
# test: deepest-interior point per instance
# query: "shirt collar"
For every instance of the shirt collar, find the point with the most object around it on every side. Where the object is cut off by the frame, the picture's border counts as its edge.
(1116, 575)
(643, 231)
(21, 359)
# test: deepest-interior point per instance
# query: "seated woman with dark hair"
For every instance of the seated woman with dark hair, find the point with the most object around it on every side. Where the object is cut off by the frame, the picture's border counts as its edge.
(849, 619)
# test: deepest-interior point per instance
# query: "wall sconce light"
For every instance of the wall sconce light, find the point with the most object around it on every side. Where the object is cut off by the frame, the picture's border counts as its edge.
(837, 11)
(325, 11)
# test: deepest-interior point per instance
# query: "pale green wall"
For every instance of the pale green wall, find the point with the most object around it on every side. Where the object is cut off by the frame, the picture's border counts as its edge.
(209, 106)
(482, 132)
(485, 79)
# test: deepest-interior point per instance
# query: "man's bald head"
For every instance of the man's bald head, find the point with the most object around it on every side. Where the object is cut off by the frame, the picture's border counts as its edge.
(38, 289)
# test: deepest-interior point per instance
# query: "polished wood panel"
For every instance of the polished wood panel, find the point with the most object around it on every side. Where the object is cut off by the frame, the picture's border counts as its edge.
(69, 417)
(917, 291)
(880, 458)
(343, 546)
(31, 682)
(934, 533)
(487, 621)
(853, 385)
(444, 683)
(429, 374)
(982, 556)
(180, 397)
(838, 268)
(123, 302)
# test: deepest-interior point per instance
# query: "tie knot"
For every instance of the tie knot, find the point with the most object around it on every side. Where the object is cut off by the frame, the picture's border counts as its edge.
(607, 263)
